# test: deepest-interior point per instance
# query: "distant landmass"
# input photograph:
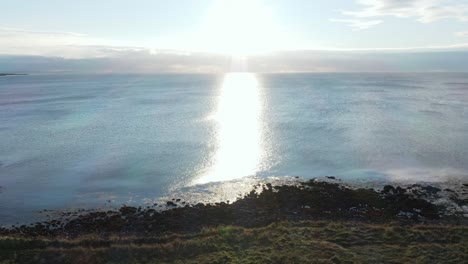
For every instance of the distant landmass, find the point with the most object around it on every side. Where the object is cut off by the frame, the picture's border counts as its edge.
(7, 74)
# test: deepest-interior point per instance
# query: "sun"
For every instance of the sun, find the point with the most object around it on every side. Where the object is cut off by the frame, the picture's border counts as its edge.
(240, 28)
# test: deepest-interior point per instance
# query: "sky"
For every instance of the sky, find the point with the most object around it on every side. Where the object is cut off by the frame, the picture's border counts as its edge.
(207, 35)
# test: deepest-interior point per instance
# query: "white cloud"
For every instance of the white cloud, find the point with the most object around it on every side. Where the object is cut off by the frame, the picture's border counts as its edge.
(25, 42)
(424, 11)
(16, 31)
(14, 41)
(461, 34)
(358, 24)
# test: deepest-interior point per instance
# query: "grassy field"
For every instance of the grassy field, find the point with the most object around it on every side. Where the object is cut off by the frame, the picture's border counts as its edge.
(312, 222)
(284, 242)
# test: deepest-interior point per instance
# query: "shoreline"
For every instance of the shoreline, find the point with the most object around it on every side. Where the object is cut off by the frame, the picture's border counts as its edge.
(325, 221)
(218, 192)
(265, 204)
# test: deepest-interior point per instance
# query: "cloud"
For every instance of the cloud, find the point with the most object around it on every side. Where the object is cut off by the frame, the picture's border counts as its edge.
(27, 42)
(68, 52)
(15, 31)
(424, 11)
(142, 61)
(358, 24)
(147, 62)
(361, 61)
(461, 34)
(16, 41)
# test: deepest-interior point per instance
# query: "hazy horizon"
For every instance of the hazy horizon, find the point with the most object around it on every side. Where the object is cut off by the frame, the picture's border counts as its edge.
(207, 36)
(140, 62)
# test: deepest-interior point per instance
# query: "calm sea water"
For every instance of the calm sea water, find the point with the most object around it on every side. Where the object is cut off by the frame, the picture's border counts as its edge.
(81, 140)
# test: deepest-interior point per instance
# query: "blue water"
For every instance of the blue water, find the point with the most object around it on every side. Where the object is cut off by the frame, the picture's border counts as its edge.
(80, 140)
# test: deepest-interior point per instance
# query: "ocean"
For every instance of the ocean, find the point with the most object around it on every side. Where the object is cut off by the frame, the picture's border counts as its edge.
(89, 141)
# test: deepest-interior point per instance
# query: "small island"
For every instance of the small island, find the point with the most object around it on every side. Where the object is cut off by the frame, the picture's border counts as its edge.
(11, 74)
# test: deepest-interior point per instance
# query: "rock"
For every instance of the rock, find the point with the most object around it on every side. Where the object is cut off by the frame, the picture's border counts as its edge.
(127, 210)
(431, 189)
(308, 200)
(388, 188)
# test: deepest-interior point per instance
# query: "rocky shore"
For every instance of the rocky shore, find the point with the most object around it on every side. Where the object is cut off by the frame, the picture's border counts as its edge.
(309, 222)
(267, 204)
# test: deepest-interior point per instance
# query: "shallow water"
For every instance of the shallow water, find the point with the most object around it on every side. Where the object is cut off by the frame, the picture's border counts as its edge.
(70, 141)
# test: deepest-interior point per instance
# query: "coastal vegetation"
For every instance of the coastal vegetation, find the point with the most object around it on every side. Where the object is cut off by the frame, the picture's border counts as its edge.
(281, 242)
(314, 221)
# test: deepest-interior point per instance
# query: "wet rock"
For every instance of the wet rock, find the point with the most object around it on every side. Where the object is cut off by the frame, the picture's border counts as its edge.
(431, 189)
(399, 190)
(310, 200)
(127, 210)
(459, 201)
(388, 189)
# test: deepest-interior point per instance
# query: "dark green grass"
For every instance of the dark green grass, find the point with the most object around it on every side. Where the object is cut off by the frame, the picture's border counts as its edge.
(284, 242)
(312, 222)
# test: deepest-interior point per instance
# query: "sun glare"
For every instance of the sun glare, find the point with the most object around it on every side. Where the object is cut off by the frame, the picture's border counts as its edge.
(239, 134)
(240, 28)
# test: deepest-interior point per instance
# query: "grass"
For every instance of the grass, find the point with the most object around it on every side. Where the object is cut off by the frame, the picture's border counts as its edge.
(283, 242)
(312, 222)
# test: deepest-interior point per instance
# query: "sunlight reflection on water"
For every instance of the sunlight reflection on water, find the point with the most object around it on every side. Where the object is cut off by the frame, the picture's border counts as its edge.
(239, 134)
